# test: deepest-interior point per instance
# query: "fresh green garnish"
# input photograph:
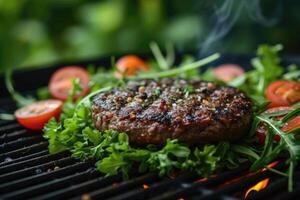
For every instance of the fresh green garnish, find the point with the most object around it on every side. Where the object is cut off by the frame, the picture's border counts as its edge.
(266, 69)
(177, 71)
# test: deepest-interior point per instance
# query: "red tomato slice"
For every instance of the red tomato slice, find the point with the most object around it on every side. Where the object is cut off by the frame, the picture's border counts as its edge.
(291, 125)
(34, 116)
(130, 65)
(283, 93)
(61, 82)
(228, 72)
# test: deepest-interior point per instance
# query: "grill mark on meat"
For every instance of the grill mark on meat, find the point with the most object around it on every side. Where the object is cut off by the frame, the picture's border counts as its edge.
(191, 111)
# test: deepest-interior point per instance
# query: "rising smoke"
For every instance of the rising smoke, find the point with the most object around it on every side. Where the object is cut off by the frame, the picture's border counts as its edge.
(226, 15)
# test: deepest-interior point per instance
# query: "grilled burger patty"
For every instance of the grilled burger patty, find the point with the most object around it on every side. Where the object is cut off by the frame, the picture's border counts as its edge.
(191, 111)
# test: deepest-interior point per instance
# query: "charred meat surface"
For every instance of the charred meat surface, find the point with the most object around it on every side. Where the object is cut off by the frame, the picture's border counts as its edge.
(191, 111)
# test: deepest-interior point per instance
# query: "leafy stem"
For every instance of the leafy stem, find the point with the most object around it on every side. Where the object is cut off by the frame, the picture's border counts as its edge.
(177, 71)
(288, 141)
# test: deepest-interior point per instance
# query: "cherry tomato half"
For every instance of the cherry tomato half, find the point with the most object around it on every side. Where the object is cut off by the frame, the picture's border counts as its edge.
(130, 65)
(283, 93)
(228, 72)
(34, 116)
(290, 125)
(61, 82)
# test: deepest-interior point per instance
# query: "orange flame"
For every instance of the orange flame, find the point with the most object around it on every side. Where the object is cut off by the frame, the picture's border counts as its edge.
(262, 184)
(180, 199)
(145, 186)
(259, 186)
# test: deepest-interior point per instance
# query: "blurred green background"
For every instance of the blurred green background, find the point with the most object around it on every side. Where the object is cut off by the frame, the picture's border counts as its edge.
(38, 32)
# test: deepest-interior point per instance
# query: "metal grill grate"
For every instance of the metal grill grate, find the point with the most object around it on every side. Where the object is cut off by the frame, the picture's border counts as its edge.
(27, 171)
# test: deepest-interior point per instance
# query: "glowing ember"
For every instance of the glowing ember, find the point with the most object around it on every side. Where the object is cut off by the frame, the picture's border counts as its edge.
(145, 186)
(180, 199)
(273, 164)
(201, 180)
(259, 186)
(115, 184)
(204, 179)
(86, 197)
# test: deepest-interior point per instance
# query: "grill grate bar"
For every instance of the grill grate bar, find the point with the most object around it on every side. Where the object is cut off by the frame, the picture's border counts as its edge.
(157, 188)
(10, 127)
(31, 162)
(40, 178)
(242, 184)
(213, 181)
(122, 187)
(12, 136)
(4, 122)
(19, 143)
(7, 103)
(52, 186)
(24, 158)
(18, 153)
(31, 171)
(206, 191)
(81, 188)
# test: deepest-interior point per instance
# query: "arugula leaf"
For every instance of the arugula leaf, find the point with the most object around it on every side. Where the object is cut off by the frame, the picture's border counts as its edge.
(292, 144)
(267, 69)
(288, 142)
